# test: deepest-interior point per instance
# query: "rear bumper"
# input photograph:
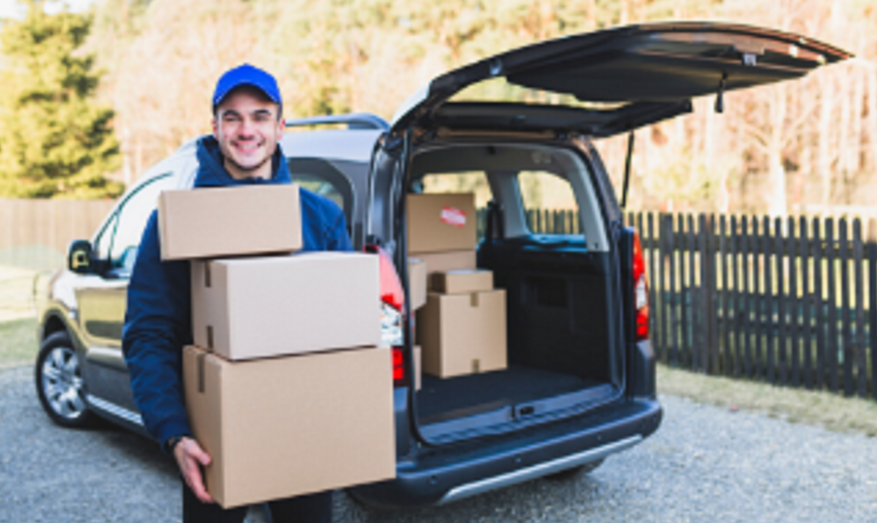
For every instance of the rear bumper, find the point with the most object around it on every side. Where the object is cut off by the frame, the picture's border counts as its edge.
(446, 475)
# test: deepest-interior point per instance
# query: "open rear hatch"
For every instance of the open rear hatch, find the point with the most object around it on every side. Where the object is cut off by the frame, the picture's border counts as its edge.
(616, 80)
(653, 69)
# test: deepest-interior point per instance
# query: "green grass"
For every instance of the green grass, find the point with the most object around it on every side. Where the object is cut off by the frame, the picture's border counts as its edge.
(18, 342)
(831, 411)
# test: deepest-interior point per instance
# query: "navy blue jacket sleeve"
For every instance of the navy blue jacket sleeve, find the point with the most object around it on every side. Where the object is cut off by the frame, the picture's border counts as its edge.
(337, 238)
(157, 325)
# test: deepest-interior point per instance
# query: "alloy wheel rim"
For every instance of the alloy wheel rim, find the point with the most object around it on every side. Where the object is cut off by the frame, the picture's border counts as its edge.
(62, 383)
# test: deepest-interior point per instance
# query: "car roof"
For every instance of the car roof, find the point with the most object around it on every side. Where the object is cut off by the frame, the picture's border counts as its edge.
(354, 145)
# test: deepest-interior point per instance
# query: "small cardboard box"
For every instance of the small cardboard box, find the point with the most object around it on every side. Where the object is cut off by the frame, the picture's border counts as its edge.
(446, 261)
(441, 222)
(463, 280)
(258, 307)
(417, 283)
(463, 333)
(229, 221)
(283, 427)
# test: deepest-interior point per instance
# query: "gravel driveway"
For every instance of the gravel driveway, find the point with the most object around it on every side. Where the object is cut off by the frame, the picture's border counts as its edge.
(705, 464)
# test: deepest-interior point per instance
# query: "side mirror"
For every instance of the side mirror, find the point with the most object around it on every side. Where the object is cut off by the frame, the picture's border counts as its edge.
(79, 257)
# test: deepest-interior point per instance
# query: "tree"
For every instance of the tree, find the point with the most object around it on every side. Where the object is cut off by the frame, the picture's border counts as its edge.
(55, 142)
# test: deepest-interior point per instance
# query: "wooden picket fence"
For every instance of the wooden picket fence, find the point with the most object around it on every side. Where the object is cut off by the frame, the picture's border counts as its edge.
(791, 302)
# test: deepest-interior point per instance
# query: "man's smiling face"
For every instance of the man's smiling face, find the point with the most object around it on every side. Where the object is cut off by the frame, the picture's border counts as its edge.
(247, 126)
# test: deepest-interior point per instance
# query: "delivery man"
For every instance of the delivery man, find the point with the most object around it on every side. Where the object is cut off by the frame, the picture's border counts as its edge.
(243, 150)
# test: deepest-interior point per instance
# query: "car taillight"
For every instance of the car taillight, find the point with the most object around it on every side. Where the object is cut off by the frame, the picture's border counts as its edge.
(640, 290)
(392, 313)
(398, 365)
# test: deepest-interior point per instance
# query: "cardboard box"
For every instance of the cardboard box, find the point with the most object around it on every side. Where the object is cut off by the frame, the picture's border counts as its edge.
(441, 222)
(464, 280)
(463, 333)
(418, 366)
(446, 261)
(229, 221)
(259, 307)
(416, 283)
(283, 427)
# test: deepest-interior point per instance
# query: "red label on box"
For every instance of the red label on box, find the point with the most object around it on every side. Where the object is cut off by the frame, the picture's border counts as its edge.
(453, 216)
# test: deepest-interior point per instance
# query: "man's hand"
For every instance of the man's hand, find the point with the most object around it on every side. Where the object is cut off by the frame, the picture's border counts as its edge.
(190, 457)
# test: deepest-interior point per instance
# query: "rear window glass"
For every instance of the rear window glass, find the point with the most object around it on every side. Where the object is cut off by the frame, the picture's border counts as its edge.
(549, 203)
(458, 182)
(323, 178)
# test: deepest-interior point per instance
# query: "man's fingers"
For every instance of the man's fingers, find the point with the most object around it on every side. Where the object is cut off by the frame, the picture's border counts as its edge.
(196, 483)
(190, 457)
(194, 450)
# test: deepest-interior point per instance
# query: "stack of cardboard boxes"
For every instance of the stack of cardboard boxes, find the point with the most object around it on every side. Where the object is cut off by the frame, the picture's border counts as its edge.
(285, 385)
(462, 325)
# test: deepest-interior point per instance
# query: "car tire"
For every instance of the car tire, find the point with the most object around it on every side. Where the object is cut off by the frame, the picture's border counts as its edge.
(60, 387)
(568, 474)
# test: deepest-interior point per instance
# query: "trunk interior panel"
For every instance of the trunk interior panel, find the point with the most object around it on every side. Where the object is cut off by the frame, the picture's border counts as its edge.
(558, 304)
(558, 342)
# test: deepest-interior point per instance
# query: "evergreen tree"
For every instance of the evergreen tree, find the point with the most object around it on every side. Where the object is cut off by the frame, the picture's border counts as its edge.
(55, 142)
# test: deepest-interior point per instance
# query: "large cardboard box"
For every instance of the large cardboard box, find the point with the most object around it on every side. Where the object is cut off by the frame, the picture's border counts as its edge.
(465, 280)
(259, 307)
(441, 222)
(283, 427)
(463, 333)
(229, 221)
(446, 261)
(417, 283)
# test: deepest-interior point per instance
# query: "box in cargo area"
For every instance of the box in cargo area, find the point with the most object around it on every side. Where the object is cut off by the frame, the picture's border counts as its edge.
(229, 221)
(283, 427)
(441, 222)
(464, 280)
(446, 261)
(463, 333)
(417, 283)
(245, 308)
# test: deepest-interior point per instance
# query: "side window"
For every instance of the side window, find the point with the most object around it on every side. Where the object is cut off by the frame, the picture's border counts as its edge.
(322, 178)
(120, 237)
(549, 203)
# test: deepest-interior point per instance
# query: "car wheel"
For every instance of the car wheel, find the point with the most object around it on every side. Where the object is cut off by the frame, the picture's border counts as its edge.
(567, 474)
(59, 382)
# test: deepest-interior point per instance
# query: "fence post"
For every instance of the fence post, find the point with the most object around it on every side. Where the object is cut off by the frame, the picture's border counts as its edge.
(693, 295)
(733, 305)
(671, 298)
(712, 300)
(705, 308)
(830, 280)
(861, 362)
(872, 301)
(846, 337)
(743, 325)
(792, 303)
(806, 309)
(656, 282)
(770, 346)
(818, 301)
(755, 301)
(723, 253)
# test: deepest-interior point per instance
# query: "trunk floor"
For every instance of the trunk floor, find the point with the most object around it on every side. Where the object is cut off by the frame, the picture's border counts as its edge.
(444, 399)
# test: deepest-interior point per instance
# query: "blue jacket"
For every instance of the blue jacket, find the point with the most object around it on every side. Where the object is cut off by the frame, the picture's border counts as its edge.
(158, 319)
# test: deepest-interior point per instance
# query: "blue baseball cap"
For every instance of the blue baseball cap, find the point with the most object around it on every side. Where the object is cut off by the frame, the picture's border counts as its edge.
(246, 75)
